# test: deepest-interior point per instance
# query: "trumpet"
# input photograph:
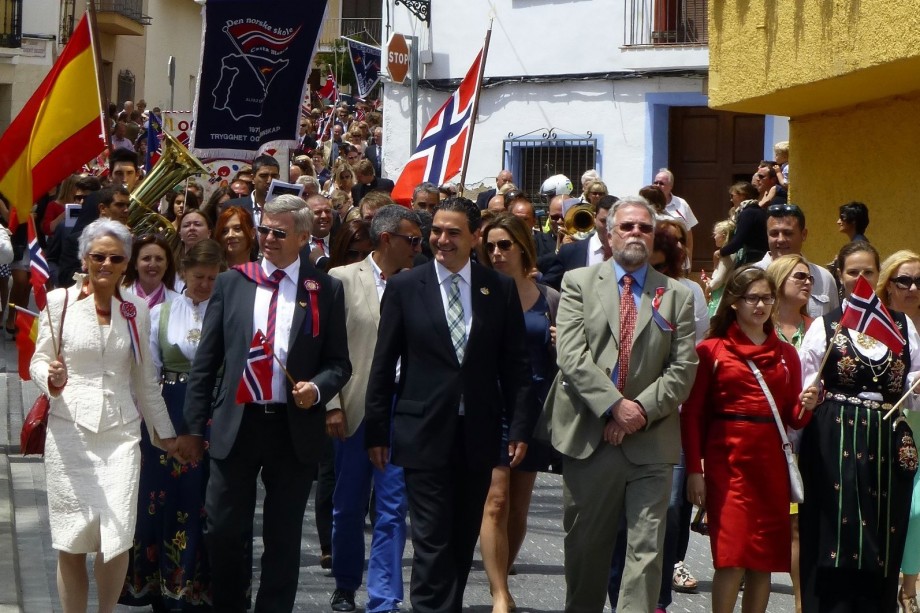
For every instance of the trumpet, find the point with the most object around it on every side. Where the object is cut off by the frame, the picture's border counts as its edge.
(174, 166)
(579, 221)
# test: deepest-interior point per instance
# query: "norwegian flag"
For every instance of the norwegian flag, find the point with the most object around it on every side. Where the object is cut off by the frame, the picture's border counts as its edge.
(440, 152)
(256, 382)
(330, 90)
(865, 313)
(38, 265)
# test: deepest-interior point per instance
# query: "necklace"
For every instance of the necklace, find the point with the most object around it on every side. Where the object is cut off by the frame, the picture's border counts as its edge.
(877, 371)
(103, 313)
(194, 334)
(866, 342)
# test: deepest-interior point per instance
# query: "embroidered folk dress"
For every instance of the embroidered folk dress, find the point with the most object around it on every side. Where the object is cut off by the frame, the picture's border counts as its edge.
(853, 522)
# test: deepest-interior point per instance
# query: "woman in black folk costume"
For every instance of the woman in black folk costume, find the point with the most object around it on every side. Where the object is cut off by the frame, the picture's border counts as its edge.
(857, 471)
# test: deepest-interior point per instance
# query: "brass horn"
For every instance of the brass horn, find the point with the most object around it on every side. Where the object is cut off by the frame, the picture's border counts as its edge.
(175, 165)
(579, 221)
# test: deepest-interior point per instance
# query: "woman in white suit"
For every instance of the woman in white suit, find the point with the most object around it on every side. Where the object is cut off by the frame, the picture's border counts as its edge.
(101, 380)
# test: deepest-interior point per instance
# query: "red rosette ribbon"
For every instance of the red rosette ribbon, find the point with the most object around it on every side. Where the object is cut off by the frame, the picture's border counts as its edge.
(129, 312)
(312, 286)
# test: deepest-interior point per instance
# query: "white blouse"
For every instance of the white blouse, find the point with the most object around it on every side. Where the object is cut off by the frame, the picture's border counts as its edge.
(184, 331)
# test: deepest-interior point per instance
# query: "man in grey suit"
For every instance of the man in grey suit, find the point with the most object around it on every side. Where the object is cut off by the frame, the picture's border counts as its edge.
(397, 239)
(277, 430)
(613, 410)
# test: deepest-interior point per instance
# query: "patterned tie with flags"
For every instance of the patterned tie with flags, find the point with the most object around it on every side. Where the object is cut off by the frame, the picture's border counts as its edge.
(628, 316)
(455, 317)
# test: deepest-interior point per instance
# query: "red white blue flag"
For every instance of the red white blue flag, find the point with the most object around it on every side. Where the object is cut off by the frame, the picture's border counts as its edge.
(865, 313)
(329, 91)
(39, 268)
(442, 147)
(256, 382)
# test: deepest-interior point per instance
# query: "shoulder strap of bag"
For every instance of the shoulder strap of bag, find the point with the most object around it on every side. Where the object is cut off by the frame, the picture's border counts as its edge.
(766, 390)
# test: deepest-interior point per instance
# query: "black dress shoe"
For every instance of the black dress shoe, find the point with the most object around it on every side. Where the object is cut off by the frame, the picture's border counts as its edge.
(325, 561)
(343, 600)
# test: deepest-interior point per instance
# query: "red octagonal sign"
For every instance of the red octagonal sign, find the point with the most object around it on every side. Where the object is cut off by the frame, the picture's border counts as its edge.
(398, 58)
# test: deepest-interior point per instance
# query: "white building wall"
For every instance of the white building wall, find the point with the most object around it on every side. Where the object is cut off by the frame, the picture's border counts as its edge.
(176, 31)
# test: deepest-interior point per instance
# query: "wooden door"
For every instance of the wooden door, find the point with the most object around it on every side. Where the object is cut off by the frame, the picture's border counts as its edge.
(708, 151)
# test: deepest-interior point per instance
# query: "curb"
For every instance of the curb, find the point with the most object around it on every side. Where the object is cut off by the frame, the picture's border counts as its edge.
(10, 588)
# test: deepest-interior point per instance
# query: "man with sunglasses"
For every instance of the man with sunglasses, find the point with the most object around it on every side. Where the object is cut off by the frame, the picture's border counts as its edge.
(397, 236)
(279, 433)
(456, 330)
(786, 233)
(626, 352)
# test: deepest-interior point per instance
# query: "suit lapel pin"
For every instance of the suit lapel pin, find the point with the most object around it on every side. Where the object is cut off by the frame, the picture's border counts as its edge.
(484, 290)
(303, 304)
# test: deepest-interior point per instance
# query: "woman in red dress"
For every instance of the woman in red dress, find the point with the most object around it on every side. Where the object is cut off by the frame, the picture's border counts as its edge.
(728, 427)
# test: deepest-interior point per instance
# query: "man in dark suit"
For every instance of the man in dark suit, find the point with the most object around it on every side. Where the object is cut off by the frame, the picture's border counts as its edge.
(457, 330)
(366, 181)
(482, 200)
(281, 431)
(264, 169)
(374, 151)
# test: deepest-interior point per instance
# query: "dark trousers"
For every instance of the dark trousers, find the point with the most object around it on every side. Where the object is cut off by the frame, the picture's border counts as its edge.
(325, 486)
(263, 446)
(445, 511)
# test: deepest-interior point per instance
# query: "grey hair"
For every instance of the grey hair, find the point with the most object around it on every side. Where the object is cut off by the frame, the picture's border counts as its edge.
(590, 175)
(669, 174)
(288, 203)
(427, 187)
(308, 180)
(102, 228)
(626, 201)
(387, 219)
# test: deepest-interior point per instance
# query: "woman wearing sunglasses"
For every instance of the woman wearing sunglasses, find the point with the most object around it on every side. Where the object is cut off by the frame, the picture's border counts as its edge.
(899, 288)
(508, 247)
(857, 470)
(96, 368)
(728, 428)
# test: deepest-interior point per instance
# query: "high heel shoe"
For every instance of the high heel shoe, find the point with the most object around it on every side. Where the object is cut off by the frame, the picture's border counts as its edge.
(907, 603)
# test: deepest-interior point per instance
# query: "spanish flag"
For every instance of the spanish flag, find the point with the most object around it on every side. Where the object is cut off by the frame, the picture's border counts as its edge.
(27, 323)
(58, 129)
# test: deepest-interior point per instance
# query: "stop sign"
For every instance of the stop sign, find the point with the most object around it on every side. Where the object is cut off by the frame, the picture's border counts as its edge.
(398, 58)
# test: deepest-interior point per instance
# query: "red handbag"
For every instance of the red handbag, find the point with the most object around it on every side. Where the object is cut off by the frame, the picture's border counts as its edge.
(35, 425)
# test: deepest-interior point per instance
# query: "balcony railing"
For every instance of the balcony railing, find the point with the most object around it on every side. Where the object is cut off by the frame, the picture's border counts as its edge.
(657, 23)
(333, 29)
(132, 9)
(11, 24)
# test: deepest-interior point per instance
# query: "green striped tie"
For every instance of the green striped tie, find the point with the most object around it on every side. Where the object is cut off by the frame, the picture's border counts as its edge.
(455, 317)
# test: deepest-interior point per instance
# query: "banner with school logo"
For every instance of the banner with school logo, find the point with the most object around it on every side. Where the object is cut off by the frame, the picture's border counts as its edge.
(253, 74)
(365, 61)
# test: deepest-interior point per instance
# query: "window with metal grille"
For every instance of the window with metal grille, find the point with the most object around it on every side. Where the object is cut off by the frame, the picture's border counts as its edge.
(125, 87)
(11, 24)
(665, 22)
(534, 157)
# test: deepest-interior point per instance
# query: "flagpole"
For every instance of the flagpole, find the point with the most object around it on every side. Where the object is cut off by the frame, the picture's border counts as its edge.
(469, 146)
(827, 353)
(97, 62)
(898, 404)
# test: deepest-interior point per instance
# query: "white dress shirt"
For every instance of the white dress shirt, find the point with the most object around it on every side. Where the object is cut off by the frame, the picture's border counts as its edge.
(284, 319)
(595, 250)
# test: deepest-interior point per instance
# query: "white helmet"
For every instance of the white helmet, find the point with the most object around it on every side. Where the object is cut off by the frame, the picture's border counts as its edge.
(556, 185)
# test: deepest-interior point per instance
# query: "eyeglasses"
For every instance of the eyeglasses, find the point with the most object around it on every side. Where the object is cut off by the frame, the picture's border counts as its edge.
(754, 299)
(659, 183)
(78, 198)
(100, 258)
(414, 241)
(556, 217)
(802, 277)
(597, 193)
(781, 210)
(906, 281)
(279, 234)
(503, 245)
(628, 226)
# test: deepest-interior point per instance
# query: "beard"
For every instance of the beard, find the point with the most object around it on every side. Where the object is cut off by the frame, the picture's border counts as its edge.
(633, 254)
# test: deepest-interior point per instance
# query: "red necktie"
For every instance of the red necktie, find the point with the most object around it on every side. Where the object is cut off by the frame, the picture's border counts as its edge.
(319, 243)
(273, 283)
(627, 327)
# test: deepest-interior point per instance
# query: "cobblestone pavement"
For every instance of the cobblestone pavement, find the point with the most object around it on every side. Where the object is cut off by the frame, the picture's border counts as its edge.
(27, 571)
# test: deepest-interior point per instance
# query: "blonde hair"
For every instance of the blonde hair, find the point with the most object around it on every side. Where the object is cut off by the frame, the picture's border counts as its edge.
(891, 264)
(778, 271)
(781, 147)
(726, 227)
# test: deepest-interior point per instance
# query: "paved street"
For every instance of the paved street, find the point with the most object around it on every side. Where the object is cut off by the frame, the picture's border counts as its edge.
(27, 570)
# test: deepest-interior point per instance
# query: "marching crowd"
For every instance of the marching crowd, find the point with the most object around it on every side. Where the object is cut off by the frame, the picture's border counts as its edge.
(422, 364)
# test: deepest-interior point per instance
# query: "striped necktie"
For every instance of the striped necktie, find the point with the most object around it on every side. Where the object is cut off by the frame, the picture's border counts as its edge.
(455, 317)
(273, 283)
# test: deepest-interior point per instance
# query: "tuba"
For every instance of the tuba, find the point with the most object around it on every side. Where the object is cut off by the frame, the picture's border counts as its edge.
(174, 166)
(579, 221)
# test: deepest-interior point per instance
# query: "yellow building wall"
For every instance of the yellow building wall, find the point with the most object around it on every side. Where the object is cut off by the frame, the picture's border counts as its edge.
(794, 57)
(867, 153)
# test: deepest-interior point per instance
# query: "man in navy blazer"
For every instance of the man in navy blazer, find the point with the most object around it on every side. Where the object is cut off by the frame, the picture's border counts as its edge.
(456, 329)
(280, 432)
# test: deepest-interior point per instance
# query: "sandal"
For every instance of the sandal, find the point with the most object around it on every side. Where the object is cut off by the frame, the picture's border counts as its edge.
(907, 603)
(683, 581)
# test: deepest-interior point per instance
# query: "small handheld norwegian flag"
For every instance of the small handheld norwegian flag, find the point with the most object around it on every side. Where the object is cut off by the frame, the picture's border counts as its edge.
(38, 266)
(865, 313)
(256, 382)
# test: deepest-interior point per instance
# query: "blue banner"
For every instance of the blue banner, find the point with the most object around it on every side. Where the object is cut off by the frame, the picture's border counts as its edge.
(365, 61)
(253, 73)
